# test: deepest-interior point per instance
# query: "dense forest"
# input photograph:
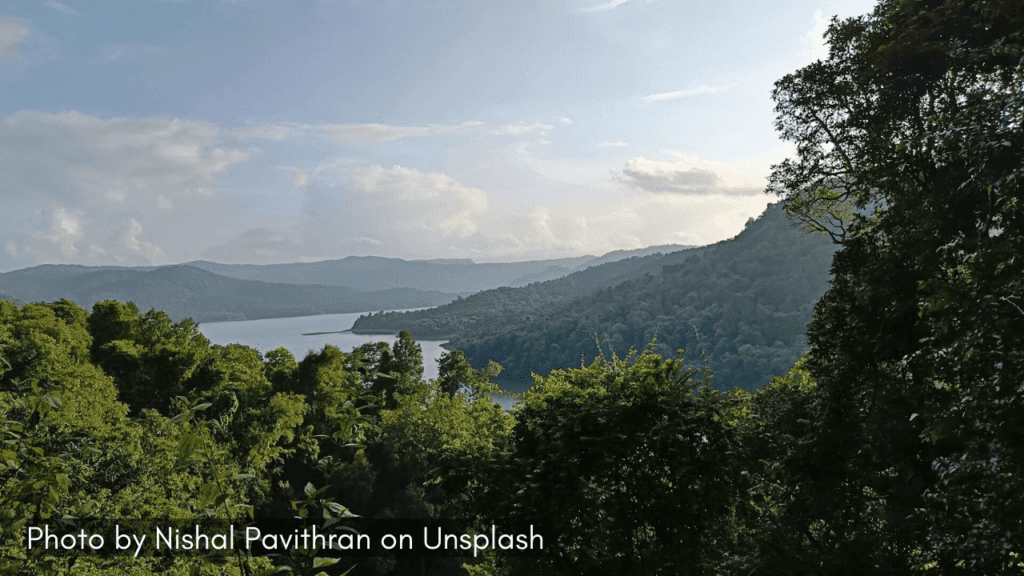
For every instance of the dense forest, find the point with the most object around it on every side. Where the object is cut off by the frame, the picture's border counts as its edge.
(743, 303)
(508, 303)
(895, 446)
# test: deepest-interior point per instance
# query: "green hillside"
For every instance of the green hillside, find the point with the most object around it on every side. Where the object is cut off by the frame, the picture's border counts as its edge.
(508, 304)
(743, 302)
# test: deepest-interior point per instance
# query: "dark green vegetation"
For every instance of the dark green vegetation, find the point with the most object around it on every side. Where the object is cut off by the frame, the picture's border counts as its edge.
(444, 275)
(743, 302)
(895, 447)
(189, 292)
(915, 457)
(507, 304)
(117, 414)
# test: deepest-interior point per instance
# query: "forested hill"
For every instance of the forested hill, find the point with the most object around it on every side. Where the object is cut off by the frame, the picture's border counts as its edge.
(507, 304)
(743, 301)
(189, 292)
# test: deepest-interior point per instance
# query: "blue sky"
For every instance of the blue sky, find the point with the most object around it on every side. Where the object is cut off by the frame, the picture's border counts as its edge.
(150, 132)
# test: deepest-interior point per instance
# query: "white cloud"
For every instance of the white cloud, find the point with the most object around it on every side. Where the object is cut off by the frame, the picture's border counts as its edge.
(91, 176)
(611, 5)
(277, 132)
(412, 200)
(148, 190)
(613, 144)
(698, 91)
(369, 133)
(357, 209)
(637, 220)
(814, 40)
(692, 175)
(61, 8)
(13, 31)
(520, 128)
(565, 121)
(65, 230)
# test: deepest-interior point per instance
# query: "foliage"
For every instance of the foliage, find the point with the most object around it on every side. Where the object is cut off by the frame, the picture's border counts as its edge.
(910, 152)
(628, 460)
(743, 302)
(506, 304)
(116, 414)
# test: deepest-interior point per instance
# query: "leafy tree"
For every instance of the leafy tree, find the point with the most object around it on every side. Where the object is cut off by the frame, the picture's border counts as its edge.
(911, 155)
(628, 461)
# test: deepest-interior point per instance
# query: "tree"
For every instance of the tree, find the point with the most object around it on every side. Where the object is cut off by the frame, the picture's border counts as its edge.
(627, 460)
(910, 154)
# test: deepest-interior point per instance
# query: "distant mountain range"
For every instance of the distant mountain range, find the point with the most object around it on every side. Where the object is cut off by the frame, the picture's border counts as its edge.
(209, 292)
(444, 275)
(190, 292)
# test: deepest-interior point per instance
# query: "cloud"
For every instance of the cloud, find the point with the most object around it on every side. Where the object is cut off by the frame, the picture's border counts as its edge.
(277, 132)
(611, 5)
(413, 200)
(62, 8)
(371, 133)
(814, 40)
(13, 31)
(520, 128)
(698, 91)
(351, 208)
(634, 221)
(691, 175)
(613, 144)
(91, 176)
(81, 189)
(565, 121)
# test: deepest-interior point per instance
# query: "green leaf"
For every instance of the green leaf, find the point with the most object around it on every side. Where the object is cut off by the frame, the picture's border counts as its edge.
(207, 492)
(187, 445)
(52, 400)
(214, 559)
(325, 562)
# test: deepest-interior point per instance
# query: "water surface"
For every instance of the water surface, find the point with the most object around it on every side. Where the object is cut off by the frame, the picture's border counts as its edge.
(298, 335)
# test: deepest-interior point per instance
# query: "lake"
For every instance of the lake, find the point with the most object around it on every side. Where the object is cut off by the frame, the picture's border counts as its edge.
(297, 335)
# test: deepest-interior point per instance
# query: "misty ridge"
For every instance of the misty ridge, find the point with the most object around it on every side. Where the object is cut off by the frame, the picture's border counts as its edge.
(211, 292)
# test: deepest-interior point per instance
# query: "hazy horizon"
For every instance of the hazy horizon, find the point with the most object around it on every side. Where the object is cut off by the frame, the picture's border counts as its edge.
(265, 132)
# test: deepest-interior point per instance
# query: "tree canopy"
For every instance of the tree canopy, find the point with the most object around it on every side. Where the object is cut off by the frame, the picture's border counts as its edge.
(910, 154)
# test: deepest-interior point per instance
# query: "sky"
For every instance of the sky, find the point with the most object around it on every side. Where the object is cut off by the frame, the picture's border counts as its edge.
(150, 132)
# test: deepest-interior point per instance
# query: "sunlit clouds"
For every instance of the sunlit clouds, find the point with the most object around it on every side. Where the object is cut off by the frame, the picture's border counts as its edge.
(265, 133)
(689, 92)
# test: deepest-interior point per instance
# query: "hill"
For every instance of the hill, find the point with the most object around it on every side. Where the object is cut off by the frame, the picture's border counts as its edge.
(186, 291)
(502, 304)
(743, 302)
(444, 275)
